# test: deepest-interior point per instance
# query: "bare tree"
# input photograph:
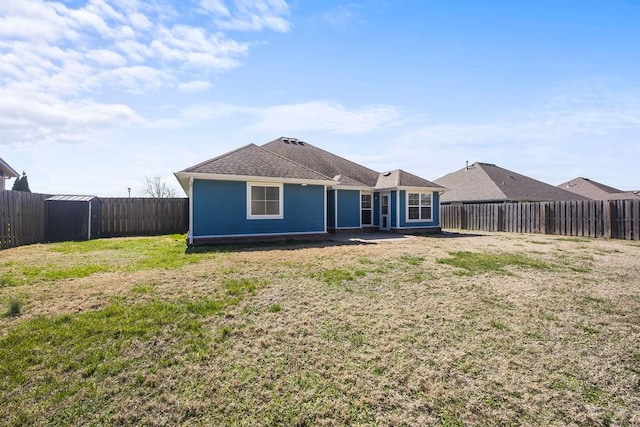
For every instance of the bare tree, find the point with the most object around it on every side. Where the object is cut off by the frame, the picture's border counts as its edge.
(157, 188)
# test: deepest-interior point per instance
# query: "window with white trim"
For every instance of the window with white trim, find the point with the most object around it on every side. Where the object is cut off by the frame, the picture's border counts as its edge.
(264, 201)
(419, 207)
(366, 208)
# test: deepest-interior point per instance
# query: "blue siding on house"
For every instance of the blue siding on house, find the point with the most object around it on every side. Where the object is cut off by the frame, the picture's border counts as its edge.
(435, 212)
(220, 209)
(348, 208)
(331, 208)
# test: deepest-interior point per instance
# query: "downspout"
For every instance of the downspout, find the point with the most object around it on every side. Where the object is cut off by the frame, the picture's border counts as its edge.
(191, 211)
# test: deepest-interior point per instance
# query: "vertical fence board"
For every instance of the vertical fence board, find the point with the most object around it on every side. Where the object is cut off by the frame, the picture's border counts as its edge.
(146, 216)
(21, 218)
(618, 219)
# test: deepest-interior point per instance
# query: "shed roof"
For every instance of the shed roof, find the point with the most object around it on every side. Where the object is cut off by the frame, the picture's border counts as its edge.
(70, 198)
(484, 182)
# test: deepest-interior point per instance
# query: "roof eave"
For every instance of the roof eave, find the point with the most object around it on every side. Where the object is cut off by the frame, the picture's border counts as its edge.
(410, 188)
(252, 178)
(12, 172)
(351, 187)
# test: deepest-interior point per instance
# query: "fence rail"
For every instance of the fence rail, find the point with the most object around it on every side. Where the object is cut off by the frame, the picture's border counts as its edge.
(617, 219)
(23, 217)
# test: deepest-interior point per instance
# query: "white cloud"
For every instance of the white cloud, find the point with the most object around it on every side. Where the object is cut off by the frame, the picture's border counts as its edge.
(250, 15)
(340, 16)
(106, 57)
(65, 56)
(217, 7)
(33, 121)
(194, 86)
(326, 116)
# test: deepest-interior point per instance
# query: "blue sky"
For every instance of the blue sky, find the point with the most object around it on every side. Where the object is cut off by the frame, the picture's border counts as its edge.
(97, 95)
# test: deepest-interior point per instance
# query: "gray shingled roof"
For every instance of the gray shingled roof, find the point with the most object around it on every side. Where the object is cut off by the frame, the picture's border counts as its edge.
(322, 161)
(595, 190)
(483, 182)
(252, 160)
(400, 178)
(342, 180)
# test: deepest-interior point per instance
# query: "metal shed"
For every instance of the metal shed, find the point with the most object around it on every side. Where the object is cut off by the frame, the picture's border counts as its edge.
(72, 218)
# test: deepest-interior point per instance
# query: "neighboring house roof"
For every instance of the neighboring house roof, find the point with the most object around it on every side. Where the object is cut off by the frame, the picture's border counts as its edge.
(322, 161)
(596, 190)
(485, 182)
(400, 178)
(7, 171)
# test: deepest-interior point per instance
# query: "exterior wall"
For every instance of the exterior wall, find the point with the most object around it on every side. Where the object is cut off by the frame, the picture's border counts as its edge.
(331, 208)
(220, 209)
(435, 212)
(348, 209)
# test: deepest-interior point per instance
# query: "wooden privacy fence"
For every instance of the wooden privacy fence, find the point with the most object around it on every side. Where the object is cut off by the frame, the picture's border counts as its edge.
(143, 216)
(617, 219)
(22, 218)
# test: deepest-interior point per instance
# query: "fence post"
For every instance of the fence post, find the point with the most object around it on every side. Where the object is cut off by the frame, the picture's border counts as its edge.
(608, 220)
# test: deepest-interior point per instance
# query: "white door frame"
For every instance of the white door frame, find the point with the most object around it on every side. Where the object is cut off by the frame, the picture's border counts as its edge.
(386, 216)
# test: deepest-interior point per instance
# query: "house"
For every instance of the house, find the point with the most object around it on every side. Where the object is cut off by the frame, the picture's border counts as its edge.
(488, 183)
(596, 191)
(6, 172)
(289, 188)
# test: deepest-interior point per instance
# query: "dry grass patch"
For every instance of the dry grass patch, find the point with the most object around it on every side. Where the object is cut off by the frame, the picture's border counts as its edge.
(469, 330)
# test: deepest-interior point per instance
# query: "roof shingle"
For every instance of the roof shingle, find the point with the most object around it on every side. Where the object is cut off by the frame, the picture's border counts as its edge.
(400, 178)
(252, 160)
(320, 160)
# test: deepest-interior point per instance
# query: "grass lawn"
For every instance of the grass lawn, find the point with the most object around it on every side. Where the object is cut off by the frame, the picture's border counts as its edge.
(491, 329)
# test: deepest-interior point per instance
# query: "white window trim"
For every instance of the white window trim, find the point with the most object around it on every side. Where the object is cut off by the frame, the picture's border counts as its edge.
(265, 184)
(406, 196)
(366, 193)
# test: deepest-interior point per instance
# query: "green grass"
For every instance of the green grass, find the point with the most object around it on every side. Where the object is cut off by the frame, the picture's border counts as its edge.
(471, 263)
(334, 276)
(275, 308)
(14, 306)
(105, 255)
(77, 354)
(412, 260)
